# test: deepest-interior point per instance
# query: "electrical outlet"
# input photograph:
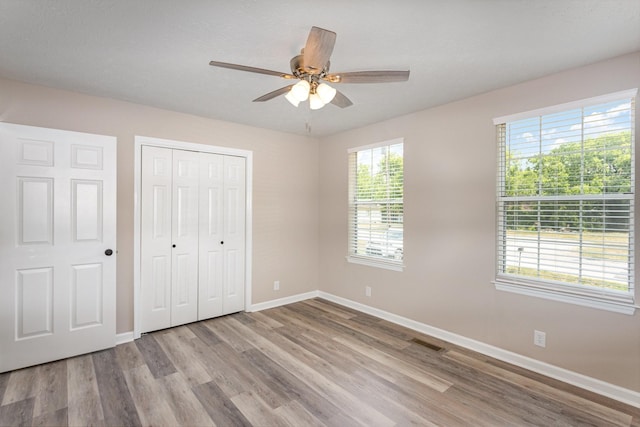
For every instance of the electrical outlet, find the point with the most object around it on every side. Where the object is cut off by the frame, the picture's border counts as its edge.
(276, 285)
(540, 338)
(367, 291)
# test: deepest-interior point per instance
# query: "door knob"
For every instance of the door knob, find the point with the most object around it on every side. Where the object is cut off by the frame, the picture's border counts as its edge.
(108, 252)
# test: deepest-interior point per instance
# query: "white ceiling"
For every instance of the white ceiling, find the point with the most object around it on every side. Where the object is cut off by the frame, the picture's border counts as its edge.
(156, 52)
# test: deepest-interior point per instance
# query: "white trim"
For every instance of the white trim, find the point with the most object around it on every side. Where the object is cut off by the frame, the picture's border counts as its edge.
(283, 301)
(374, 262)
(191, 146)
(376, 145)
(124, 337)
(599, 302)
(616, 96)
(181, 145)
(629, 397)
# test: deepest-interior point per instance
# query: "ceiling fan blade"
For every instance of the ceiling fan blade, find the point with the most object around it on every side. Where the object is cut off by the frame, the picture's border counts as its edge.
(387, 76)
(273, 94)
(341, 101)
(251, 69)
(318, 49)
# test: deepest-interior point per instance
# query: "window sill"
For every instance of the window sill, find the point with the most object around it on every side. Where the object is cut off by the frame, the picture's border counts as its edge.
(623, 305)
(388, 265)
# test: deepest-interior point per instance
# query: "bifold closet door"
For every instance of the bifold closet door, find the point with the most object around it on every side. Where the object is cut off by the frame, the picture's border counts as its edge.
(169, 231)
(184, 230)
(222, 235)
(155, 224)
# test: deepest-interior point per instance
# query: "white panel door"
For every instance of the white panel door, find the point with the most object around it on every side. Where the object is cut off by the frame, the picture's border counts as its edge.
(185, 226)
(211, 236)
(57, 244)
(234, 234)
(155, 271)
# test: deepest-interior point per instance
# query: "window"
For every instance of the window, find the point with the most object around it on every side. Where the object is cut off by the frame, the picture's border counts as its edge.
(376, 232)
(565, 202)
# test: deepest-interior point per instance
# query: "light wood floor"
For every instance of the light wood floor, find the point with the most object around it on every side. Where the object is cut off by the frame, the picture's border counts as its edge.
(311, 363)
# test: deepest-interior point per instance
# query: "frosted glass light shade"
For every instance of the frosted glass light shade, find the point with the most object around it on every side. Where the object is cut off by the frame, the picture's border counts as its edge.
(301, 90)
(291, 98)
(325, 92)
(315, 102)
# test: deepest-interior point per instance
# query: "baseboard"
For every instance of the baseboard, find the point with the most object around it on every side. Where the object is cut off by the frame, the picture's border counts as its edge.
(124, 338)
(283, 301)
(603, 388)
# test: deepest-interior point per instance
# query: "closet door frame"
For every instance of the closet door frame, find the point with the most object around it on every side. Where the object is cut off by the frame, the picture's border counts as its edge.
(141, 141)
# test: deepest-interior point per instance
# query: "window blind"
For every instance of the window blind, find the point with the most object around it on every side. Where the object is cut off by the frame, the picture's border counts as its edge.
(565, 199)
(376, 175)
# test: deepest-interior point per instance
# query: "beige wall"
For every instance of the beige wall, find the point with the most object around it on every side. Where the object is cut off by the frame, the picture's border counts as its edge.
(450, 181)
(285, 180)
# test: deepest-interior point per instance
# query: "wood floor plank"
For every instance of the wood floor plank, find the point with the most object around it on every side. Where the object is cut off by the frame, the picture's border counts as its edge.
(479, 391)
(336, 323)
(267, 321)
(152, 409)
(330, 308)
(182, 357)
(4, 380)
(117, 404)
(286, 383)
(244, 318)
(183, 332)
(218, 405)
(129, 356)
(155, 358)
(51, 394)
(231, 372)
(186, 408)
(374, 333)
(217, 368)
(398, 365)
(370, 375)
(17, 413)
(256, 410)
(48, 419)
(84, 405)
(612, 416)
(362, 412)
(290, 317)
(205, 334)
(22, 384)
(227, 333)
(294, 414)
(246, 377)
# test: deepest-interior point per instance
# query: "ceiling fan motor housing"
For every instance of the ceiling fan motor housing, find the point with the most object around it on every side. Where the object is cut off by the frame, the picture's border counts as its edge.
(299, 69)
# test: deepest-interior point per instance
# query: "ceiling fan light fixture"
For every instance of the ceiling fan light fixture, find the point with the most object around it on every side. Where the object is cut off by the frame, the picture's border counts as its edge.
(291, 98)
(310, 68)
(300, 90)
(315, 102)
(325, 92)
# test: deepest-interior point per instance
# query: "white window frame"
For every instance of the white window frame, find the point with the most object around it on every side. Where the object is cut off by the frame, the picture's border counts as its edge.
(622, 303)
(372, 261)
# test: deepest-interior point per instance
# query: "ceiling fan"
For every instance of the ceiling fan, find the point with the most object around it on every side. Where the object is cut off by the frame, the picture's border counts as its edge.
(311, 67)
